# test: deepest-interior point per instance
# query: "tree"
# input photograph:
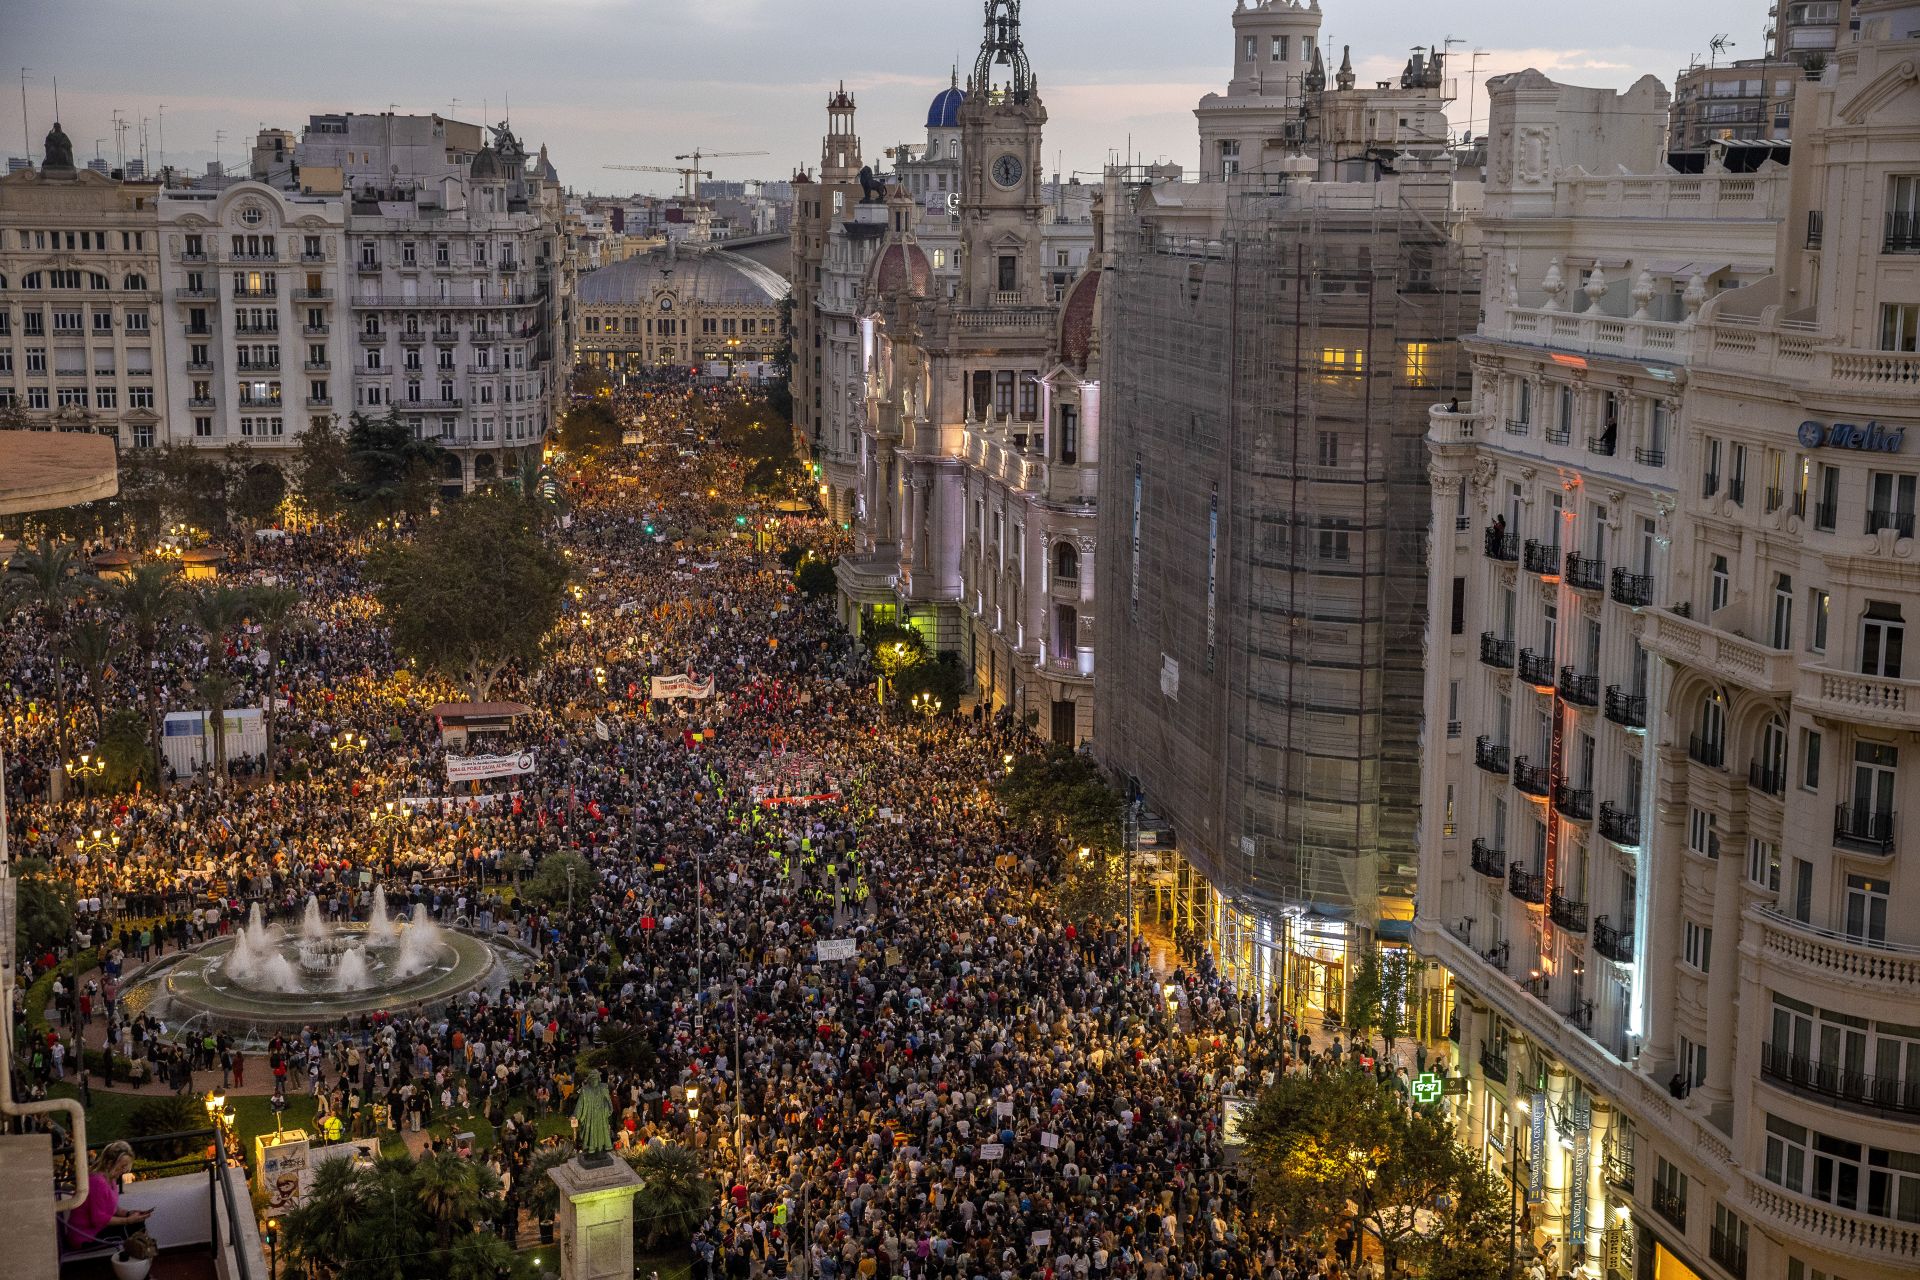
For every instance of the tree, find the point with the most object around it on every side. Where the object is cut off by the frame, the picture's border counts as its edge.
(320, 468)
(216, 690)
(589, 429)
(93, 647)
(43, 906)
(675, 1194)
(894, 648)
(455, 1192)
(52, 582)
(217, 610)
(1063, 790)
(388, 470)
(147, 600)
(477, 590)
(1363, 994)
(274, 610)
(560, 875)
(254, 486)
(126, 746)
(815, 578)
(541, 490)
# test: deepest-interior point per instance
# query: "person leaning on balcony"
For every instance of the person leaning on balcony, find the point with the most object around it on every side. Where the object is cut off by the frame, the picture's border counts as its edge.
(100, 1218)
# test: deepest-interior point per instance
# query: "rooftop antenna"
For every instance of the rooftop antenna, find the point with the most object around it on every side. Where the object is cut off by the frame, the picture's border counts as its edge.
(1718, 46)
(219, 155)
(163, 137)
(26, 142)
(56, 98)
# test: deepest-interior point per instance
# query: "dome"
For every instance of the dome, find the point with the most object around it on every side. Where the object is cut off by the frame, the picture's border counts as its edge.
(901, 267)
(486, 166)
(1077, 319)
(715, 277)
(945, 111)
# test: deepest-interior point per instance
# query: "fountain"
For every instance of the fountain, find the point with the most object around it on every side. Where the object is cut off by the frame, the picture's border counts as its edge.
(309, 969)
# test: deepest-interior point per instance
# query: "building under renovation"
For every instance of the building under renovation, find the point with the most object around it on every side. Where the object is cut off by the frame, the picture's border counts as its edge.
(1274, 343)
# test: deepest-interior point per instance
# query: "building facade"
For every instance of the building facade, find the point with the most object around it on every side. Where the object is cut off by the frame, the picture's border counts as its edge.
(1660, 835)
(80, 301)
(700, 308)
(1750, 98)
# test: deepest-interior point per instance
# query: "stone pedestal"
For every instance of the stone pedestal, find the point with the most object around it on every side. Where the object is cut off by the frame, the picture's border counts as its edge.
(595, 1228)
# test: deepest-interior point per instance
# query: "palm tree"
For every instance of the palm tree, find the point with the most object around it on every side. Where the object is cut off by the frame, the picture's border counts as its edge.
(93, 647)
(675, 1193)
(216, 689)
(273, 609)
(479, 1255)
(54, 582)
(454, 1191)
(147, 600)
(541, 490)
(317, 1236)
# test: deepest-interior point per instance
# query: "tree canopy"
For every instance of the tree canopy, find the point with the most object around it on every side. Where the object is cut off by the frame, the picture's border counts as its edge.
(388, 471)
(475, 591)
(589, 429)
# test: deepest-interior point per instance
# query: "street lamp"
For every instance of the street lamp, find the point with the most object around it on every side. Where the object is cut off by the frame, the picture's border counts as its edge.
(87, 766)
(393, 815)
(347, 744)
(273, 1248)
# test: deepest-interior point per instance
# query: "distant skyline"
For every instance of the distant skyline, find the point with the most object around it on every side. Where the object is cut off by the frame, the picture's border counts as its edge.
(639, 81)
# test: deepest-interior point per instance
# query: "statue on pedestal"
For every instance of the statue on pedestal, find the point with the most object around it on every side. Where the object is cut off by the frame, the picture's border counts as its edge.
(58, 149)
(593, 1116)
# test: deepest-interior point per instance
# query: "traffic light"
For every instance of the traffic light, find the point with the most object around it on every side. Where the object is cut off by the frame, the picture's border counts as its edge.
(740, 520)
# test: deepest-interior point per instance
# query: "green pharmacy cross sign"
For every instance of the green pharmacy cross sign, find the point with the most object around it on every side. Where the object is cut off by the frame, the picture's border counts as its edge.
(1426, 1087)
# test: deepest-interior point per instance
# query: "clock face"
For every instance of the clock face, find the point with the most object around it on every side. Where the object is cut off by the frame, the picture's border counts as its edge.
(1007, 170)
(666, 304)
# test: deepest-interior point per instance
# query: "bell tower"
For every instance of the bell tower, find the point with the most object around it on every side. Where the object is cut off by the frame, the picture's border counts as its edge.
(840, 149)
(1000, 182)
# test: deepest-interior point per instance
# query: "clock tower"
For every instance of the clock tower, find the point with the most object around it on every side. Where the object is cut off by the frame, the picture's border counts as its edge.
(1000, 182)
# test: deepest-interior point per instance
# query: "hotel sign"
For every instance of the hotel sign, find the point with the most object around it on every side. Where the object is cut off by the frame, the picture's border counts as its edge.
(1872, 438)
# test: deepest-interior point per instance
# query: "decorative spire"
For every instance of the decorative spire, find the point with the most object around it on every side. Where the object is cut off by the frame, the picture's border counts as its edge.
(1343, 79)
(1317, 73)
(1001, 44)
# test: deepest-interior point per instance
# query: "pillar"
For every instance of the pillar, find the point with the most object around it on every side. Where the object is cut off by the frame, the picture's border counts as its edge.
(1599, 1134)
(595, 1229)
(1661, 920)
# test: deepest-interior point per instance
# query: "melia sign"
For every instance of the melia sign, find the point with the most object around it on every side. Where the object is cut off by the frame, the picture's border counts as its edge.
(1872, 438)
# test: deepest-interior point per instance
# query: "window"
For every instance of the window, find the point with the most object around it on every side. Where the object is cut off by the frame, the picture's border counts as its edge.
(1826, 511)
(1697, 947)
(1882, 637)
(1721, 586)
(1903, 213)
(1069, 433)
(1066, 562)
(136, 322)
(1782, 637)
(37, 398)
(1867, 908)
(203, 426)
(1693, 1063)
(1417, 363)
(1786, 1149)
(139, 397)
(1875, 767)
(1819, 605)
(1229, 157)
(1458, 616)
(1890, 503)
(1009, 273)
(1899, 326)
(1252, 49)
(1670, 1192)
(1763, 864)
(1280, 48)
(1334, 538)
(1703, 832)
(143, 436)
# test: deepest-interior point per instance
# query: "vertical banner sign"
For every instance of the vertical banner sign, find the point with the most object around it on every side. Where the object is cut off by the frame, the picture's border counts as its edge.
(1213, 562)
(1577, 1199)
(1134, 611)
(1556, 770)
(1537, 1148)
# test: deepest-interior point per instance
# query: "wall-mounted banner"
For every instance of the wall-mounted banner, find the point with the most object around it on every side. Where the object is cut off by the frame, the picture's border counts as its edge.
(1134, 607)
(667, 687)
(1577, 1191)
(1537, 1148)
(475, 768)
(1213, 562)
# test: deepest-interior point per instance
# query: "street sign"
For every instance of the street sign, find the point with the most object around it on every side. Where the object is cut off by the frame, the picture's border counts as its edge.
(1454, 1086)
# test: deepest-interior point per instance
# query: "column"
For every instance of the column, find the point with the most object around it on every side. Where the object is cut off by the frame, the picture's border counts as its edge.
(1600, 1133)
(596, 1217)
(1723, 980)
(1553, 1210)
(1660, 952)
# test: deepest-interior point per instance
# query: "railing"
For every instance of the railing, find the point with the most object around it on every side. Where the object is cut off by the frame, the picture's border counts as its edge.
(1901, 522)
(199, 402)
(1760, 777)
(1568, 913)
(257, 326)
(195, 295)
(199, 366)
(1886, 1093)
(1518, 426)
(1496, 652)
(1835, 1229)
(1585, 573)
(1710, 484)
(411, 337)
(318, 255)
(1737, 491)
(1490, 755)
(1557, 435)
(1499, 955)
(1502, 546)
(1863, 828)
(1530, 778)
(316, 330)
(253, 257)
(1853, 962)
(1580, 1014)
(1489, 861)
(1903, 233)
(1582, 690)
(1528, 886)
(1633, 589)
(1670, 1204)
(1536, 668)
(313, 295)
(1573, 803)
(1614, 944)
(1711, 752)
(1728, 1252)
(428, 404)
(1584, 331)
(1674, 634)
(317, 366)
(1619, 825)
(258, 366)
(1605, 444)
(1542, 558)
(1493, 1065)
(1875, 699)
(1623, 708)
(1650, 457)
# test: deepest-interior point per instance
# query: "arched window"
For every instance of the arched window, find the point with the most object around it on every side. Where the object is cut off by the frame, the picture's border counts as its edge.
(1066, 562)
(1710, 738)
(97, 281)
(31, 280)
(135, 282)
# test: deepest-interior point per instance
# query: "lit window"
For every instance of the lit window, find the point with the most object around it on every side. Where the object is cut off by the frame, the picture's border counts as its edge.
(1418, 354)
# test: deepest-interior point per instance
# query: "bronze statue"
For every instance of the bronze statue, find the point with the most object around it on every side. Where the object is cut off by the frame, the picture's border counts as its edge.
(58, 152)
(593, 1114)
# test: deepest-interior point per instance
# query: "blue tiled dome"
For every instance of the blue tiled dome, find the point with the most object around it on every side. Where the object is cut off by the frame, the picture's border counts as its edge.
(945, 111)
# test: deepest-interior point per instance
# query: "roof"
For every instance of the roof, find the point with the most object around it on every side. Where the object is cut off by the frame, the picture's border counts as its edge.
(944, 112)
(1077, 318)
(713, 276)
(41, 470)
(901, 266)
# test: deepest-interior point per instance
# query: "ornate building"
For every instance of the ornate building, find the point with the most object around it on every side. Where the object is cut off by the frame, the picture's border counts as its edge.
(692, 307)
(79, 300)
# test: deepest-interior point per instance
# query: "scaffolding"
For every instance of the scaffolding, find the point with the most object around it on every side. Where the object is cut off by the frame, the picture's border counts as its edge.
(1273, 351)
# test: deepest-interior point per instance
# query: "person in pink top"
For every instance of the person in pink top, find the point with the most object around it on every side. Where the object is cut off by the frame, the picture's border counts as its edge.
(100, 1218)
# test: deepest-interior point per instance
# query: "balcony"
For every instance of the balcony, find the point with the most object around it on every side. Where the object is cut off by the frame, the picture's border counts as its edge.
(1872, 1240)
(1614, 944)
(1542, 558)
(1728, 1252)
(1502, 546)
(411, 337)
(1628, 709)
(1650, 457)
(202, 294)
(271, 325)
(1830, 1080)
(313, 295)
(373, 338)
(411, 405)
(1518, 426)
(1530, 778)
(1604, 444)
(1584, 573)
(1863, 829)
(1632, 589)
(1825, 516)
(199, 366)
(261, 402)
(313, 256)
(1619, 825)
(1536, 669)
(1528, 886)
(319, 402)
(255, 259)
(199, 402)
(195, 258)
(1445, 426)
(255, 295)
(317, 366)
(316, 330)
(1901, 522)
(1903, 233)
(257, 366)
(1568, 914)
(1816, 228)
(1580, 1014)
(1661, 340)
(1495, 652)
(1490, 755)
(1557, 435)
(1493, 1065)
(1670, 1204)
(1711, 752)
(367, 266)
(1728, 656)
(1581, 690)
(1873, 700)
(1872, 968)
(1573, 803)
(1771, 780)
(1489, 861)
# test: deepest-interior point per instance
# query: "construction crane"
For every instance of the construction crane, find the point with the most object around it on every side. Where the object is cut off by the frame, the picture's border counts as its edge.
(688, 177)
(696, 155)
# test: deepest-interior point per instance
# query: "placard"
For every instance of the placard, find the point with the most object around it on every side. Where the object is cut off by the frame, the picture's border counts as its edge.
(991, 1151)
(1049, 1142)
(475, 768)
(835, 949)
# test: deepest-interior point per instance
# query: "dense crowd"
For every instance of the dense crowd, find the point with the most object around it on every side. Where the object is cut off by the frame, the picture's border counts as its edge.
(985, 1089)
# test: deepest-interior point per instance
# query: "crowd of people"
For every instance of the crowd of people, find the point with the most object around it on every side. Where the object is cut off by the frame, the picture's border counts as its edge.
(984, 1088)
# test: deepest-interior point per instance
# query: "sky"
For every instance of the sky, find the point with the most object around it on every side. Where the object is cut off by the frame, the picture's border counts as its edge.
(605, 82)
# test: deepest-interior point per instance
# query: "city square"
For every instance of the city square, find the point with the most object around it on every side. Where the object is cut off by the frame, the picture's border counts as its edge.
(917, 710)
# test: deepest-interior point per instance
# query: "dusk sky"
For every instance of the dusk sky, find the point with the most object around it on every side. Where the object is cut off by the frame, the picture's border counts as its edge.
(638, 81)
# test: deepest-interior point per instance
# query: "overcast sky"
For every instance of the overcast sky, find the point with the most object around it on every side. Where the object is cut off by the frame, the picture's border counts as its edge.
(639, 81)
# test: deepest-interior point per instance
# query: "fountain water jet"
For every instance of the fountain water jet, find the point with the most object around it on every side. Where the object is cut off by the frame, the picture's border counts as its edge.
(380, 927)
